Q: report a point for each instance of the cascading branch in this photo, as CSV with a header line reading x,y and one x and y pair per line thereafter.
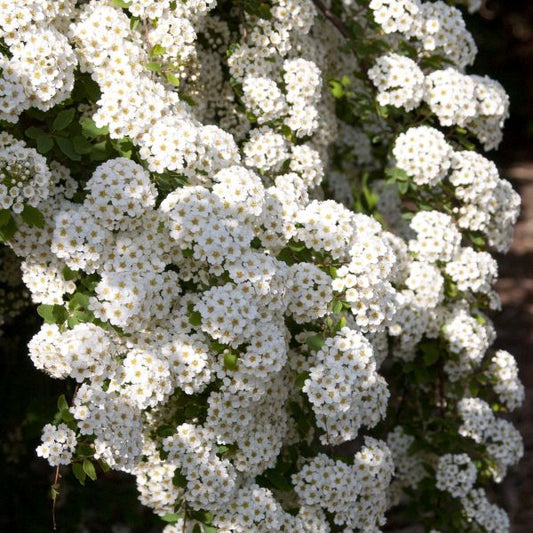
x,y
257,231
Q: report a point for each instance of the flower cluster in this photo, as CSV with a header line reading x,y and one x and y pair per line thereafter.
x,y
342,379
456,474
503,369
399,81
58,444
503,440
25,176
424,154
353,493
38,70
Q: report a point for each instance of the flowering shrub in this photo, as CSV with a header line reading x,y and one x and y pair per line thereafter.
x,y
257,231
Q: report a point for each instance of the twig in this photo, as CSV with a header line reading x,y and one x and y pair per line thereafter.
x,y
56,479
336,21
244,29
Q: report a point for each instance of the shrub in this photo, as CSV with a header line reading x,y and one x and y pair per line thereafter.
x,y
258,231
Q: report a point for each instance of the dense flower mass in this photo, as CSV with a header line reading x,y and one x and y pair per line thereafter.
x,y
254,239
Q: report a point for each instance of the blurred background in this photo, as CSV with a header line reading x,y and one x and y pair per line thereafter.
x,y
504,32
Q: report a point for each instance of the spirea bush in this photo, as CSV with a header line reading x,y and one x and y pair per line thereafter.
x,y
255,232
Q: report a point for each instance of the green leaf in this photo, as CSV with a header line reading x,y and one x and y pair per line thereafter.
x,y
403,187
383,111
188,99
222,449
121,3
300,379
123,146
52,314
337,89
32,216
79,317
297,246
171,518
80,300
431,353
101,151
168,182
90,282
477,240
157,50
63,119
79,473
205,517
450,288
5,217
277,480
84,449
465,143
172,79
82,145
179,480
33,112
62,403
259,9
165,431
103,465
336,306
134,23
45,144
315,342
34,133
227,450
90,88
69,274
263,11
67,417
230,361
7,229
217,347
89,469
232,48
195,318
197,528
192,411
154,66
396,174
480,319
66,146
90,130
370,197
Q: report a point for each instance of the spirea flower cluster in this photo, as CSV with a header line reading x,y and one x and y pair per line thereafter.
x,y
253,239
